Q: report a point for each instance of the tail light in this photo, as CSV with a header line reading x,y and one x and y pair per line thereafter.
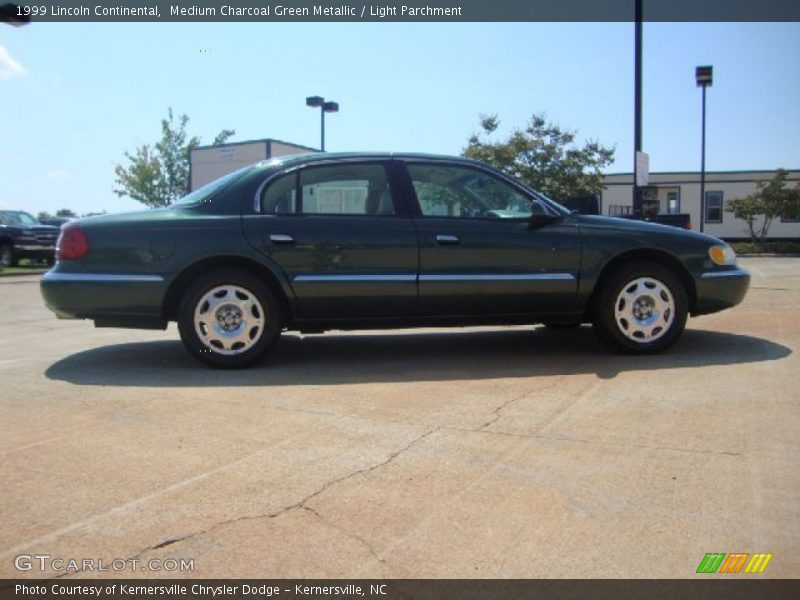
x,y
72,243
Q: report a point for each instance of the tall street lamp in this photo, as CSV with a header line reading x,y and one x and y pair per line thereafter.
x,y
319,101
637,109
703,76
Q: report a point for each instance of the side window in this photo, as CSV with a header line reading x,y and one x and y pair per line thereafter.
x,y
280,196
346,190
447,191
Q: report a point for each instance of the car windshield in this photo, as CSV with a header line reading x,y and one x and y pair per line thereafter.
x,y
17,218
552,202
205,193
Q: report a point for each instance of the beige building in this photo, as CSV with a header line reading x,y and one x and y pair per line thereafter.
x,y
207,163
680,193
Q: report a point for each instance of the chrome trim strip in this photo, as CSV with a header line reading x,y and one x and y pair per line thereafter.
x,y
100,277
500,277
352,278
723,274
443,277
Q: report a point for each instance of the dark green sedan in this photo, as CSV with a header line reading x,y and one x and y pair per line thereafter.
x,y
348,241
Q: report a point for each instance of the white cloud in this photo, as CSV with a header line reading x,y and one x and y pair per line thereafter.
x,y
58,176
9,67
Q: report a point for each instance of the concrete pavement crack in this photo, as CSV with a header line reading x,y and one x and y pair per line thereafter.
x,y
347,532
301,504
496,413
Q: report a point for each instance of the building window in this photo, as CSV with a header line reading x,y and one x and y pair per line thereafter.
x,y
673,202
619,209
791,218
713,207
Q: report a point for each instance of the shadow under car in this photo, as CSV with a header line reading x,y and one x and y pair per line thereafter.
x,y
334,359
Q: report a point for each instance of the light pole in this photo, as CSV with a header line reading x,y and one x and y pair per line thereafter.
x,y
637,107
703,76
319,101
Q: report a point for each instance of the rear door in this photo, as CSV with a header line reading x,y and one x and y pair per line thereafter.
x,y
338,232
479,254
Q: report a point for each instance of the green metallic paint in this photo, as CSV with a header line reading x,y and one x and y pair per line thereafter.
x,y
178,243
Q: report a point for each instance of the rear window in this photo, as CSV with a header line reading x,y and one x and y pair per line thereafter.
x,y
206,192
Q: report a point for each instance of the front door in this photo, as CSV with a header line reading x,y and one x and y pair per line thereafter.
x,y
480,254
337,233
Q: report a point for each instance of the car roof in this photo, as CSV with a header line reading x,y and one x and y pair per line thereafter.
x,y
309,157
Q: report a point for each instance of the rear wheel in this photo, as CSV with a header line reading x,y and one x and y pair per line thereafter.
x,y
642,308
229,319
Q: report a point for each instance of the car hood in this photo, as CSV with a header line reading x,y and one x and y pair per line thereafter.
x,y
627,226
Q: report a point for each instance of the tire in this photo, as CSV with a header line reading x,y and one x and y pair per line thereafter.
x,y
641,309
229,319
7,255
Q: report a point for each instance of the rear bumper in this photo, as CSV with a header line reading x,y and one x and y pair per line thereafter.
x,y
720,289
133,300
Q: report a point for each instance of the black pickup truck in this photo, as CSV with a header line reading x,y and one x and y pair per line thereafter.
x,y
22,236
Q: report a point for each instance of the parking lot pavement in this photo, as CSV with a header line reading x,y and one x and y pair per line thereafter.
x,y
480,452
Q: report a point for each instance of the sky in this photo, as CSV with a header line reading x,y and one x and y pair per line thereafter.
x,y
76,96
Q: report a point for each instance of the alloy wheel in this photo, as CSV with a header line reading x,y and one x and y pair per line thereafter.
x,y
229,319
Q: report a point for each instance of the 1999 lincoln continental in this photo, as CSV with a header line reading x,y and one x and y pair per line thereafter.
x,y
346,241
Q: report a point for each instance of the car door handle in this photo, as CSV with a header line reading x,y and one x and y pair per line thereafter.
x,y
447,240
279,238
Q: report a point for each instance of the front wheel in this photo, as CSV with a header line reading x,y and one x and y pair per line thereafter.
x,y
6,255
642,308
229,319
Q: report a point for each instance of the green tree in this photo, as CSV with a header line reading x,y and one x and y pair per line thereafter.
x,y
544,156
66,212
158,174
772,199
43,215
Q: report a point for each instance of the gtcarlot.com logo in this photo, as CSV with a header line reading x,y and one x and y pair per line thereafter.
x,y
46,562
719,562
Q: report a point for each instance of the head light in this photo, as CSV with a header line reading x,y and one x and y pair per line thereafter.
x,y
722,255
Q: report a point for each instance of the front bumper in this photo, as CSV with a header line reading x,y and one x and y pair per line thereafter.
x,y
33,247
131,300
720,289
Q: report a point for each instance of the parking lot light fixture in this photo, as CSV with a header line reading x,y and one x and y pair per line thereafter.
x,y
319,101
704,77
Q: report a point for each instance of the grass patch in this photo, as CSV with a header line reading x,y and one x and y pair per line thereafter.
x,y
766,247
26,266
24,270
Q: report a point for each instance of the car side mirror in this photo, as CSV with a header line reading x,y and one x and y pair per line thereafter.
x,y
543,219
